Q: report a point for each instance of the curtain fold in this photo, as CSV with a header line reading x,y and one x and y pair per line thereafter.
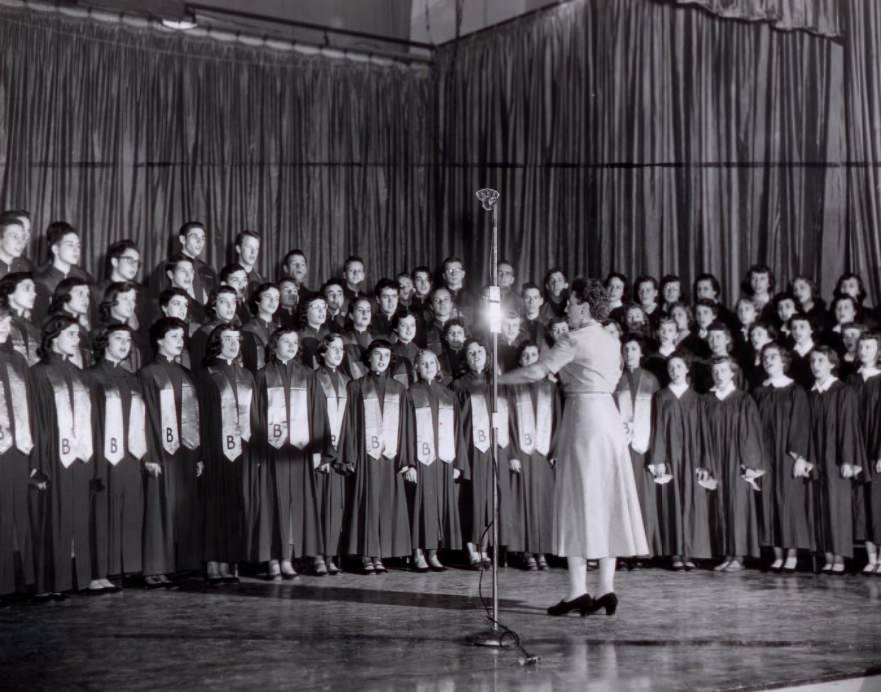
x,y
129,133
645,137
822,17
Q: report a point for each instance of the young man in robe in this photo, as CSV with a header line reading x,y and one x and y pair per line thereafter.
x,y
359,337
386,294
12,245
264,303
65,251
247,250
335,298
533,302
353,278
191,237
222,307
453,277
314,331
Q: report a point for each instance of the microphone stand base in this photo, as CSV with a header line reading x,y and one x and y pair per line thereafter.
x,y
490,638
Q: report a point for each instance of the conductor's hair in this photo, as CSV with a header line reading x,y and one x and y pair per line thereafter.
x,y
593,293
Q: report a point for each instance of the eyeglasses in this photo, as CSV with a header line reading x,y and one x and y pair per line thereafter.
x,y
131,260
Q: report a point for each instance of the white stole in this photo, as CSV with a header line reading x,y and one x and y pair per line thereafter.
x,y
480,423
380,425
426,449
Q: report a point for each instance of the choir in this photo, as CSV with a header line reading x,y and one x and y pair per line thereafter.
x,y
211,419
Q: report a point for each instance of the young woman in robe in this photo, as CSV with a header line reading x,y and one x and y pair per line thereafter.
x,y
256,331
295,436
19,292
64,457
533,413
358,337
802,330
750,361
315,329
634,395
787,490
73,298
404,348
867,495
655,362
173,518
375,439
734,431
118,307
435,457
222,308
16,443
678,459
473,392
226,395
839,455
332,481
119,452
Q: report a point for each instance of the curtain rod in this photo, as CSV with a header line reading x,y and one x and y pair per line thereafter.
x,y
510,20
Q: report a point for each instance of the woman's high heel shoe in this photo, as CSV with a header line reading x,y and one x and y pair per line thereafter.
x,y
582,604
608,601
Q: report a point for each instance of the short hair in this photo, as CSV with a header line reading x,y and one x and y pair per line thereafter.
x,y
310,298
449,324
214,346
188,226
229,270
102,337
61,296
350,259
769,328
529,286
785,295
117,250
162,326
401,315
326,341
111,293
714,282
421,269
331,282
385,283
215,294
402,275
10,282
176,259
615,275
645,278
717,326
593,293
360,299
857,308
169,293
670,279
683,355
20,213
830,354
802,317
871,336
450,260
257,294
635,338
51,329
707,303
785,353
761,269
56,230
272,346
374,345
550,272
731,360
296,252
7,220
241,235
522,347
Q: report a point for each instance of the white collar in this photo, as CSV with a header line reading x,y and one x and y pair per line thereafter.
x,y
778,382
869,372
722,394
803,350
678,389
824,386
666,351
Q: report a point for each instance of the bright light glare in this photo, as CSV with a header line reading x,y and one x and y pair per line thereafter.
x,y
494,309
179,24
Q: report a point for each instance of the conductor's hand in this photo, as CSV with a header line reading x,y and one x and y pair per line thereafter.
x,y
153,468
515,465
410,474
200,468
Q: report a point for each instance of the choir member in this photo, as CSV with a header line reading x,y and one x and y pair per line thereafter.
x,y
452,355
707,287
375,439
636,322
358,337
705,313
353,278
555,283
181,274
759,286
510,299
16,442
247,249
296,268
72,298
746,317
634,394
645,289
845,310
473,391
24,218
533,323
172,507
656,362
64,459
192,238
422,290
866,381
558,327
404,348
802,330
719,345
441,311
851,284
332,480
671,292
837,450
19,291
785,306
453,276
681,315
850,336
786,487
65,251
236,277
12,245
226,412
263,302
808,299
123,265
222,308
534,412
616,289
435,460
314,330
174,302
119,451
679,459
119,307
734,431
294,425
405,289
335,298
760,334
288,314
386,293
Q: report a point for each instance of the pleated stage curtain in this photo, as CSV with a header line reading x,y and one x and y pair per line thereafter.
x,y
822,17
129,133
647,137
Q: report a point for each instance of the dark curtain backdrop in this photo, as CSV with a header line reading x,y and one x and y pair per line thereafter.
x,y
128,133
823,17
647,137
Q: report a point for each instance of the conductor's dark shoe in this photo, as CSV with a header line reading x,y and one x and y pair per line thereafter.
x,y
607,601
583,604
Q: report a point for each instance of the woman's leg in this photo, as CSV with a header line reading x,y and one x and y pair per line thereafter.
x,y
607,576
577,577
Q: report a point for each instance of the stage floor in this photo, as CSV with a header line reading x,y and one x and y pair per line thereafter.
x,y
406,631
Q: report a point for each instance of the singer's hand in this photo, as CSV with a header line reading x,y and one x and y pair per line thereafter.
x,y
316,460
410,474
515,465
153,468
457,474
878,466
846,471
200,468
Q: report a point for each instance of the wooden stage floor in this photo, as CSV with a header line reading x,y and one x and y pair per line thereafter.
x,y
406,631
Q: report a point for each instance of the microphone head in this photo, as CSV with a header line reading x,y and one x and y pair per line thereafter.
x,y
488,197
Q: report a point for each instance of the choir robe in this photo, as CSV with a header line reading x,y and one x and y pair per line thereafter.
x,y
199,343
255,339
452,363
64,514
289,472
204,280
656,364
18,264
787,502
734,431
378,522
119,510
25,337
47,279
310,342
381,325
289,318
404,362
800,369
835,439
173,518
687,512
17,431
867,491
535,331
355,343
227,481
532,490
434,511
634,396
754,374
333,487
476,502
550,310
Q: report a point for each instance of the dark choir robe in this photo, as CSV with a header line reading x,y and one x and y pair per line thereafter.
x,y
204,280
687,514
867,490
437,449
695,344
533,411
310,342
331,485
535,330
452,363
199,343
381,325
173,518
847,368
119,454
634,395
18,264
787,502
378,524
433,335
355,343
255,278
466,302
64,457
656,364
835,439
421,307
255,339
47,279
474,390
550,310
293,428
734,431
16,443
140,350
404,362
800,368
754,374
226,393
289,318
337,323
25,337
